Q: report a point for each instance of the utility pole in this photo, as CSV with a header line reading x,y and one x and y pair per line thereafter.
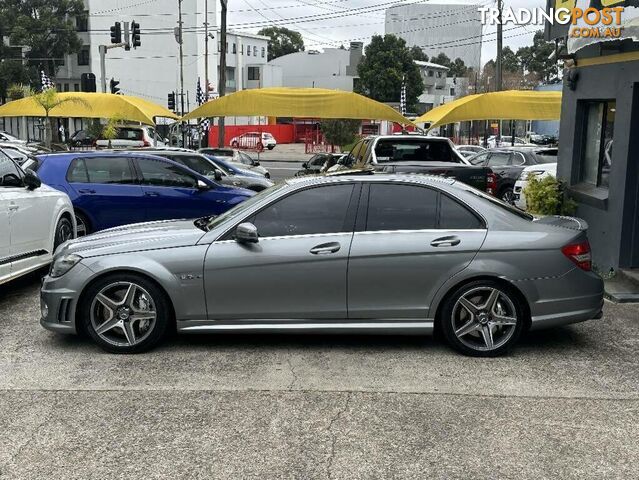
x,y
498,64
222,75
206,49
181,69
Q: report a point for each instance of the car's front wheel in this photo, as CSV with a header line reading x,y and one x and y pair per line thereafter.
x,y
125,313
63,232
482,319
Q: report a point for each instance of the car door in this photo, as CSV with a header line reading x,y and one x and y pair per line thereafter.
x,y
409,240
171,192
5,237
107,190
297,270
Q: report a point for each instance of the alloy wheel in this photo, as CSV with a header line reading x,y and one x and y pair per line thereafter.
x,y
508,196
123,314
81,226
484,319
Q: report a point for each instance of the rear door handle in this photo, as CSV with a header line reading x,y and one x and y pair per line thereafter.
x,y
13,208
152,194
86,190
452,241
326,248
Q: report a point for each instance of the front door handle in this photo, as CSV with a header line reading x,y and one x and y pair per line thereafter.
x,y
13,208
451,241
326,248
86,190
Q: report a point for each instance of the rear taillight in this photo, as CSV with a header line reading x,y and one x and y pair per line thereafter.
x,y
146,143
579,254
491,183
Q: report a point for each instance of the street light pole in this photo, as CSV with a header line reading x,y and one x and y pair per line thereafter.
x,y
181,69
206,49
498,63
222,74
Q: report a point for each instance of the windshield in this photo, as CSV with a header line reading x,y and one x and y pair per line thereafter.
x,y
239,209
546,156
414,149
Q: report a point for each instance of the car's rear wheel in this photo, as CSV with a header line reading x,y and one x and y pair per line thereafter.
x,y
271,147
482,319
63,232
235,145
125,313
507,195
83,226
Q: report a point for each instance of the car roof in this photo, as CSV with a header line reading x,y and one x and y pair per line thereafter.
x,y
369,176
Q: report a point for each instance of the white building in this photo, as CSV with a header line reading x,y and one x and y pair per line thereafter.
x,y
153,70
454,29
439,88
334,68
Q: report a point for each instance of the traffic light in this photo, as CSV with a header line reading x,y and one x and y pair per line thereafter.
x,y
87,82
171,101
116,33
114,86
135,34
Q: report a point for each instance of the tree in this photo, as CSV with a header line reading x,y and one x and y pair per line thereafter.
x,y
47,30
48,100
510,60
418,54
282,41
386,61
457,68
340,131
535,59
441,59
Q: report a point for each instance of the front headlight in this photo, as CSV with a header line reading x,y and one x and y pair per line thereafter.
x,y
63,264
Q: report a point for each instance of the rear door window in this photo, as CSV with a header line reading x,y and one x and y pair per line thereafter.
x,y
102,170
401,207
162,174
499,159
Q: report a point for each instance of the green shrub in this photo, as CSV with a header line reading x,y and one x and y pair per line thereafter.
x,y
548,197
340,132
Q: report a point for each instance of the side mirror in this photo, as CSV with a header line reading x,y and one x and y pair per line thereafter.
x,y
202,185
256,163
246,233
31,179
218,175
305,165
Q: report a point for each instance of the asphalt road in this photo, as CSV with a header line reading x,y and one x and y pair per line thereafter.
x,y
564,405
280,170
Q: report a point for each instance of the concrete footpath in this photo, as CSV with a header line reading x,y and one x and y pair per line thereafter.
x,y
293,152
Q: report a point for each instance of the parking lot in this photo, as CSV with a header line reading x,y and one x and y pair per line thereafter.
x,y
565,404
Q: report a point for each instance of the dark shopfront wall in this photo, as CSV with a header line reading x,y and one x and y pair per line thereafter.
x,y
612,213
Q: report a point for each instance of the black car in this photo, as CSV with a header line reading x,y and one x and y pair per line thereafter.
x,y
316,163
82,138
508,163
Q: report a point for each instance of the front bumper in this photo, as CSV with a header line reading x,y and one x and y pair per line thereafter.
x,y
59,299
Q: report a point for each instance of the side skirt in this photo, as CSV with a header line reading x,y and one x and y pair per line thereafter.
x,y
382,327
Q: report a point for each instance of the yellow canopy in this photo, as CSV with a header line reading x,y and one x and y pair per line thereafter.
x,y
508,105
298,102
94,105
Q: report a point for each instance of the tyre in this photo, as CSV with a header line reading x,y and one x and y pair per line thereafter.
x,y
507,195
83,225
63,232
125,313
235,145
482,319
271,147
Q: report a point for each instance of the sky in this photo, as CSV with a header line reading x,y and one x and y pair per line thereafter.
x,y
329,23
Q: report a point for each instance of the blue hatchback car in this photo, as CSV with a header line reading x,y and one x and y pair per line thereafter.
x,y
109,189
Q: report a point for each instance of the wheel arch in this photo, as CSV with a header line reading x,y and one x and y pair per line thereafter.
x,y
502,281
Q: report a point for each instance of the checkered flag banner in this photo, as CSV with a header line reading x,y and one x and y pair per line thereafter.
x,y
46,81
200,98
402,97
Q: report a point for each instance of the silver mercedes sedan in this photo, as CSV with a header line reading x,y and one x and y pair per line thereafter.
x,y
353,254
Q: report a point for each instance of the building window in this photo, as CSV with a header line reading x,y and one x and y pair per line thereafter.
x,y
253,73
254,51
83,56
431,73
263,52
76,87
596,159
439,74
242,49
82,22
234,48
219,46
248,50
452,92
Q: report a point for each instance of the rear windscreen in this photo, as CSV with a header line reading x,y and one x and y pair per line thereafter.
x,y
414,150
129,134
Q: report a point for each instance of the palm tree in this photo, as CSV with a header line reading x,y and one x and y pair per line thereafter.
x,y
49,99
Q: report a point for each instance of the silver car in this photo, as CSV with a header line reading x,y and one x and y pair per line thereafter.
x,y
378,253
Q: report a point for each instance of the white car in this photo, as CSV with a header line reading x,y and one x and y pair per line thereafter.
x,y
505,141
34,220
256,140
539,171
133,136
7,137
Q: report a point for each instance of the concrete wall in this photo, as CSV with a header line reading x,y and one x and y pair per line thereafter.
x,y
611,213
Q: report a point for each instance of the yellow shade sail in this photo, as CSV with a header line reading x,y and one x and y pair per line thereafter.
x,y
508,105
298,102
92,105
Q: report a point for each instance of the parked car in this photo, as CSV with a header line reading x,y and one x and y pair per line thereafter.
x,y
469,150
537,139
508,163
34,220
132,136
381,253
215,169
20,153
505,141
539,172
256,140
319,163
235,156
7,137
109,189
415,154
82,138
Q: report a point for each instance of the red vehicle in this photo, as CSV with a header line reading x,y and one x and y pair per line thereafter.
x,y
254,140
